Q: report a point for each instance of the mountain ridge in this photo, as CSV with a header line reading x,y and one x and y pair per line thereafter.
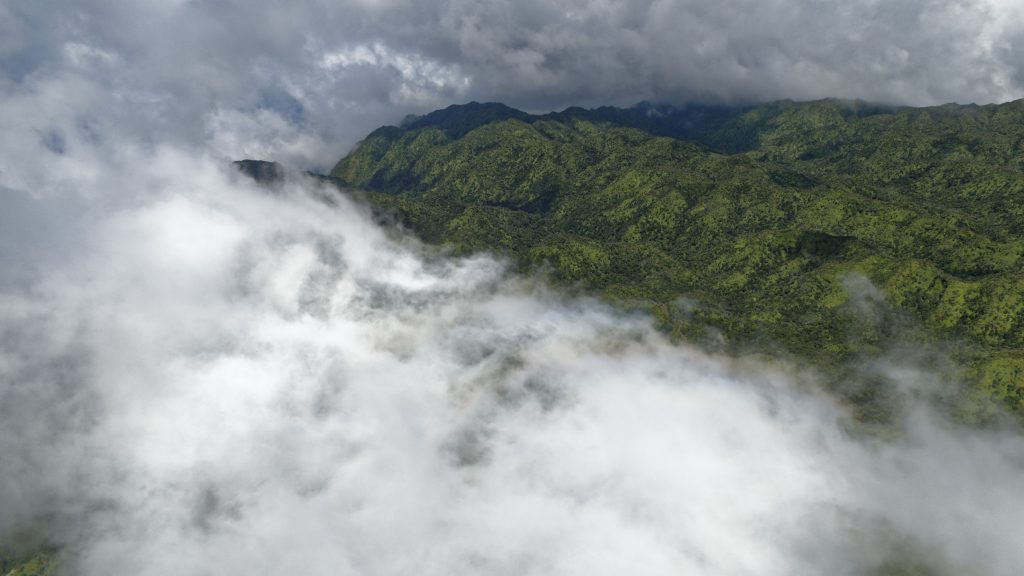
x,y
690,121
761,214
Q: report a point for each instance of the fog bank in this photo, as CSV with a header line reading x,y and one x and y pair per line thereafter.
x,y
212,378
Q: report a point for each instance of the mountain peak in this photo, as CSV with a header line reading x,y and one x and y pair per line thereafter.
x,y
458,119
262,171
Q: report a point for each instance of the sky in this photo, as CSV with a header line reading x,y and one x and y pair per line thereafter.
x,y
199,375
303,80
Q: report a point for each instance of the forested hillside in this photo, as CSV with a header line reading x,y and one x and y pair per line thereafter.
x,y
37,564
829,230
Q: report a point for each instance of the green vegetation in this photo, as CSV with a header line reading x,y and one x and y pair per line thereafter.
x,y
39,564
758,224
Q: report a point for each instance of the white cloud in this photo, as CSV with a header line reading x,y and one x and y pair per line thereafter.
x,y
225,380
200,376
423,82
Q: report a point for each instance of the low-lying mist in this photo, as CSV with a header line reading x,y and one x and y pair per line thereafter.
x,y
207,377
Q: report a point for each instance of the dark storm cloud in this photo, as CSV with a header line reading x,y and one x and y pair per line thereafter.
x,y
303,79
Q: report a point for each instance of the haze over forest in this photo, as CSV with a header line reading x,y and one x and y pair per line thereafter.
x,y
436,359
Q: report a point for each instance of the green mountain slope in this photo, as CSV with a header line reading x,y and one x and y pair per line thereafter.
x,y
40,564
772,225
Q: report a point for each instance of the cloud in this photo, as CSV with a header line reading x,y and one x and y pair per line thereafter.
x,y
201,376
333,71
222,379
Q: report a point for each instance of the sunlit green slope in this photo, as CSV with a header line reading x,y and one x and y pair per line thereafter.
x,y
749,226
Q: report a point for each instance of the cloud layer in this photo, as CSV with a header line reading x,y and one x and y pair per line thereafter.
x,y
302,81
224,380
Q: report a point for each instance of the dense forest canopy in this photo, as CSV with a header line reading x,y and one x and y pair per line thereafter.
x,y
824,229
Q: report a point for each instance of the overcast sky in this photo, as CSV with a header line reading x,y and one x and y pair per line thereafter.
x,y
303,80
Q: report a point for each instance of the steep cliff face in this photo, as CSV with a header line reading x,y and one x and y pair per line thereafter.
x,y
826,229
